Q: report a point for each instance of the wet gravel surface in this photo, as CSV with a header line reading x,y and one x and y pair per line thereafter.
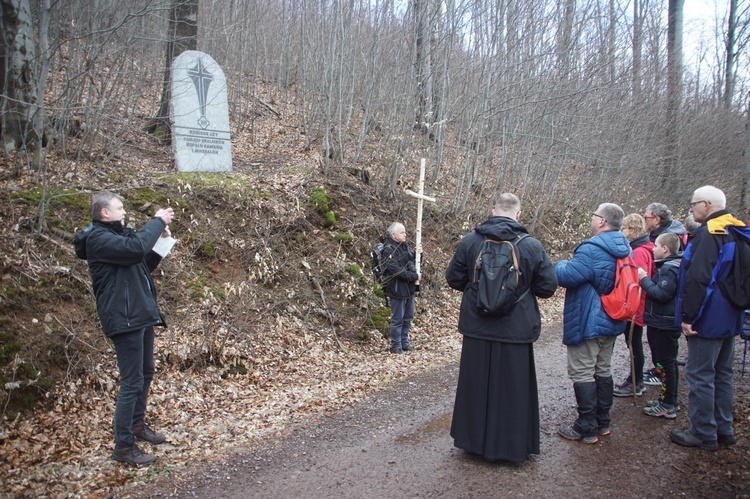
x,y
396,444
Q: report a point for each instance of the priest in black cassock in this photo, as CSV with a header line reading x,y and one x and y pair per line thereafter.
x,y
496,414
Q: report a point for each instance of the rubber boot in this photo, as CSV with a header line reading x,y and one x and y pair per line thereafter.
x,y
585,428
586,423
604,398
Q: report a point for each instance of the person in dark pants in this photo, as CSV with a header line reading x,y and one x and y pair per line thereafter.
x,y
660,294
401,278
634,228
710,323
496,413
120,262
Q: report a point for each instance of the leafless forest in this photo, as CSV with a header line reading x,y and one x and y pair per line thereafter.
x,y
561,101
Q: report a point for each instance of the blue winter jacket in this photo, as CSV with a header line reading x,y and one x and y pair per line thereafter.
x,y
699,301
589,274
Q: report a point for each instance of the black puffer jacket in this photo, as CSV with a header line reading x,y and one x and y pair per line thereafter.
x,y
400,269
120,262
661,292
523,324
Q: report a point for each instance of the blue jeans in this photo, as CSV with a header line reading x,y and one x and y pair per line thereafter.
x,y
402,312
710,377
135,360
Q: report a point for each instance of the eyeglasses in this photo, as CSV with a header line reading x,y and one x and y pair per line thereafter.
x,y
598,215
692,205
647,217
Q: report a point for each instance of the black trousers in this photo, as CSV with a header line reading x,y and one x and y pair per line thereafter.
x,y
664,345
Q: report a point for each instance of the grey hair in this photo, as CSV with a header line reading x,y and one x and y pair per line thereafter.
x,y
101,200
613,214
393,227
713,195
690,223
660,210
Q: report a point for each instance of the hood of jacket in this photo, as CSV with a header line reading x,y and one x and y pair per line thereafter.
x,y
674,259
612,241
501,229
718,222
675,227
640,241
79,240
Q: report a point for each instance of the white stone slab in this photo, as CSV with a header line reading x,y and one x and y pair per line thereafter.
x,y
199,114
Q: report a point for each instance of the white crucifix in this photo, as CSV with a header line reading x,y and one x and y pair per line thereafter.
x,y
420,199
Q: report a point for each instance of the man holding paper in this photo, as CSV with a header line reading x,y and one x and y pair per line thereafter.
x,y
120,262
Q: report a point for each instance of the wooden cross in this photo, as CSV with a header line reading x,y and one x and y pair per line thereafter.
x,y
420,199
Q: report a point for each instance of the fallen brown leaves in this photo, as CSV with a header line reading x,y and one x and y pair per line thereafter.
x,y
65,451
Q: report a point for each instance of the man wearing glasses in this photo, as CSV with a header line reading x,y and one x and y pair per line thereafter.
x,y
709,323
588,332
659,220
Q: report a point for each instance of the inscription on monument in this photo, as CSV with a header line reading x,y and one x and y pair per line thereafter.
x,y
200,118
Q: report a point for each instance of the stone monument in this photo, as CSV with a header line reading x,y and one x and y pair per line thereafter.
x,y
199,114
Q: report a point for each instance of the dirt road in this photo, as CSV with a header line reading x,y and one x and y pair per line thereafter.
x,y
396,444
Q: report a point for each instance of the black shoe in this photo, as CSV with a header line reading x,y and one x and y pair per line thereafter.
x,y
132,455
144,433
407,348
686,438
727,440
398,351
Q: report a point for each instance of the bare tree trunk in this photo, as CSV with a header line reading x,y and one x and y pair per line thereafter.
x,y
565,39
40,117
423,26
745,192
731,62
19,96
637,47
183,35
674,89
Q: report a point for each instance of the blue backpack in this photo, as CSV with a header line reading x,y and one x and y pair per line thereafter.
x,y
733,276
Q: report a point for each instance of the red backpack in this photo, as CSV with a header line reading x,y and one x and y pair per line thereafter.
x,y
622,303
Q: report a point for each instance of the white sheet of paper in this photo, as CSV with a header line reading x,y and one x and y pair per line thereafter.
x,y
164,245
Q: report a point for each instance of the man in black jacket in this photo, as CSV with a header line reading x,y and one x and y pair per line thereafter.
x,y
401,281
496,414
120,263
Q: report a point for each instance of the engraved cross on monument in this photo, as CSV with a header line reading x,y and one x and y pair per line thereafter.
x,y
199,114
201,79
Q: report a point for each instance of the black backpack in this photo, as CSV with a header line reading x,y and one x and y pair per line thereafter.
x,y
497,272
379,266
734,278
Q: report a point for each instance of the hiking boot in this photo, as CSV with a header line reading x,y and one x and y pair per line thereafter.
x,y
132,455
407,348
661,411
570,433
652,403
687,439
604,431
144,433
650,377
727,440
626,390
398,351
